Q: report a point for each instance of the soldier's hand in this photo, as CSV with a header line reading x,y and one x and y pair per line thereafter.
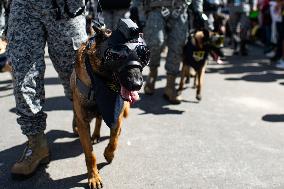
x,y
200,20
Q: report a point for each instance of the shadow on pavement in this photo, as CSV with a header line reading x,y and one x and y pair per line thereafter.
x,y
155,104
6,82
273,117
6,85
41,179
253,68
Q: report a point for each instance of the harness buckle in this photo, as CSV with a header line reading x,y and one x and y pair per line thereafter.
x,y
176,12
165,12
91,95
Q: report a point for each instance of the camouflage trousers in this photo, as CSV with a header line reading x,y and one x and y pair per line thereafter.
x,y
30,28
239,22
171,32
111,17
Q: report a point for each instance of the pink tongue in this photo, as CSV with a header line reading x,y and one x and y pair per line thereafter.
x,y
131,96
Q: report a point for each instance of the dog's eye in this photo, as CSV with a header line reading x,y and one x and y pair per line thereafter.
x,y
116,54
143,54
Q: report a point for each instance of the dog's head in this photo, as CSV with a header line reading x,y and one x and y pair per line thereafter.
x,y
200,38
125,54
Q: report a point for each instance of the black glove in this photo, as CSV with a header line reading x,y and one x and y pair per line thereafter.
x,y
200,20
134,16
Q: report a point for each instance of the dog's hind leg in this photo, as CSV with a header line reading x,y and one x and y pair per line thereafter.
x,y
200,80
195,83
94,179
183,76
96,134
114,134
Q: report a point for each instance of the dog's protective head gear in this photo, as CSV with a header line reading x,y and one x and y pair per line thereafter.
x,y
126,48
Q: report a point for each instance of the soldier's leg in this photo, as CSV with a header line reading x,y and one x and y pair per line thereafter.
x,y
176,40
64,38
244,28
154,33
233,23
26,38
108,19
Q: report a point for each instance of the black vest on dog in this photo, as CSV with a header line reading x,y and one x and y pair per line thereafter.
x,y
195,57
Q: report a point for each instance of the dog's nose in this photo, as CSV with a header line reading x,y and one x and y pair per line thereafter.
x,y
137,83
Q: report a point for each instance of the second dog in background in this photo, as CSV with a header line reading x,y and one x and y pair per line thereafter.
x,y
195,55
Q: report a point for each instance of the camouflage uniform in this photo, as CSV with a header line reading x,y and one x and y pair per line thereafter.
x,y
170,30
239,22
3,7
32,24
113,10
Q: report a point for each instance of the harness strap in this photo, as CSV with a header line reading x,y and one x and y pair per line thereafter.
x,y
85,90
89,70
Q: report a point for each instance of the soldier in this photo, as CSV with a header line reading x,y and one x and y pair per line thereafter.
x,y
32,24
240,24
113,10
167,21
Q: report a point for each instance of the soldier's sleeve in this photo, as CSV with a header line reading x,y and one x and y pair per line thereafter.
x,y
198,6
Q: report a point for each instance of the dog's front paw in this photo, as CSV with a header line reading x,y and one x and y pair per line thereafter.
x,y
95,139
109,155
95,182
198,97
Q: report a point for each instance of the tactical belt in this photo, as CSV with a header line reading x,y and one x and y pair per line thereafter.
x,y
157,4
66,10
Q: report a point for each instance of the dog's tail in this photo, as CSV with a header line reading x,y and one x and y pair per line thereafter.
x,y
126,109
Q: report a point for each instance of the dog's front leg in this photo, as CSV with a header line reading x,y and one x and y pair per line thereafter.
x,y
114,134
94,179
200,80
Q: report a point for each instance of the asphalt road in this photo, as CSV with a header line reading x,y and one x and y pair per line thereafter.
x,y
232,139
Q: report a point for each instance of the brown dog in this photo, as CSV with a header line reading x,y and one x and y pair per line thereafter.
x,y
4,62
106,71
195,56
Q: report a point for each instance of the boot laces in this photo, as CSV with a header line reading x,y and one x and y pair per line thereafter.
x,y
27,152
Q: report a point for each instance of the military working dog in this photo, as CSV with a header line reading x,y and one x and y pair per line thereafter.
x,y
195,55
106,78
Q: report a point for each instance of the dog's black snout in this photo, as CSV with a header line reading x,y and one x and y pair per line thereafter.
x,y
137,83
131,78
